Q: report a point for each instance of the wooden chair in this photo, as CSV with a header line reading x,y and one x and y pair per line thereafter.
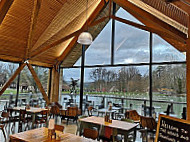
x,y
90,110
23,119
148,125
168,110
72,113
90,133
2,128
59,128
54,111
132,114
42,119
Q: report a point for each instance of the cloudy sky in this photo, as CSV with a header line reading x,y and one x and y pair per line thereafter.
x,y
131,46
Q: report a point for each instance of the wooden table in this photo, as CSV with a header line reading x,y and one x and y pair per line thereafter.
x,y
105,110
121,126
33,111
41,135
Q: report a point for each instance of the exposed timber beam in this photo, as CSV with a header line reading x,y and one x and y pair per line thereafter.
x,y
147,28
90,23
11,79
37,80
150,20
4,8
35,12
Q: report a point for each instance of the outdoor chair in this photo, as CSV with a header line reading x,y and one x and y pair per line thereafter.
x,y
59,128
148,125
90,133
2,129
90,110
24,119
184,113
13,118
4,119
168,110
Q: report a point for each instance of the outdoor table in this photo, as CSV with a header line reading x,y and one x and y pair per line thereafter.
x,y
106,110
33,111
120,126
41,135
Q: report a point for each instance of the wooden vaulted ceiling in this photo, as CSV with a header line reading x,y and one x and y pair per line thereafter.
x,y
45,31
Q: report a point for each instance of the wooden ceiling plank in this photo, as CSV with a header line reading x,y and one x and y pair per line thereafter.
x,y
147,28
76,33
38,83
4,8
11,79
90,21
34,18
149,19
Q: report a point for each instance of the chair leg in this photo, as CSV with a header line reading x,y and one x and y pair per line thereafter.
x,y
4,133
67,121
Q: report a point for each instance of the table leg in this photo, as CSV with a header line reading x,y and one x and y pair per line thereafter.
x,y
33,119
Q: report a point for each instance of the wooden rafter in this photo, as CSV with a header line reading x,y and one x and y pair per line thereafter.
x,y
76,33
34,17
146,28
11,79
4,8
90,21
149,20
37,80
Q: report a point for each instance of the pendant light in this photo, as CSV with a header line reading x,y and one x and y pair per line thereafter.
x,y
85,38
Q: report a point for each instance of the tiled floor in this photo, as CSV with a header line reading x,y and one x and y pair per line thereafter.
x,y
71,128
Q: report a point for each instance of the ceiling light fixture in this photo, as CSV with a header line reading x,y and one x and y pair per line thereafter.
x,y
85,38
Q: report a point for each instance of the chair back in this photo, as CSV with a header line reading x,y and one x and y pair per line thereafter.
x,y
54,109
132,114
168,110
90,133
59,128
5,114
72,111
90,108
22,115
148,122
184,113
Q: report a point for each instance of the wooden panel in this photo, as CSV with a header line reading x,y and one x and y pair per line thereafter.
x,y
34,17
37,80
12,78
90,20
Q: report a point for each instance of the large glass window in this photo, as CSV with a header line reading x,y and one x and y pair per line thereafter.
x,y
131,44
164,52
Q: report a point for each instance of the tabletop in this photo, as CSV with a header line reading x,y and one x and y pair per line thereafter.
x,y
31,110
115,123
103,110
41,135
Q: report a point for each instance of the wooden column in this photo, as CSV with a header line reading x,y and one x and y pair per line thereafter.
x,y
188,73
60,84
188,82
54,95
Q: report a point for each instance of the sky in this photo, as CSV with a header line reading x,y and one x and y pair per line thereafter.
x,y
131,46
